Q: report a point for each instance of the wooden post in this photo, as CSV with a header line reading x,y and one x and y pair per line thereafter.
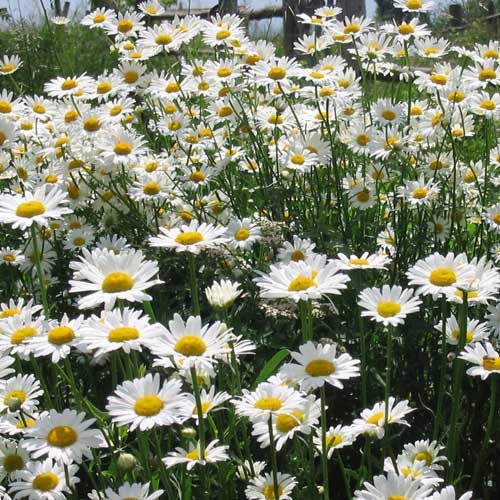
x,y
65,10
290,26
352,8
228,6
457,14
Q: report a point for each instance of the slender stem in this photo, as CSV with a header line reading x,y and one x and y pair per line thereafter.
x,y
458,370
148,309
344,474
199,409
442,375
489,429
194,285
324,451
305,309
362,338
387,389
274,461
39,272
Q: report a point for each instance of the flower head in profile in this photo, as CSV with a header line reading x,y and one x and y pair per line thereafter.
x,y
134,491
192,455
365,261
37,207
109,276
318,364
301,281
261,487
221,295
485,360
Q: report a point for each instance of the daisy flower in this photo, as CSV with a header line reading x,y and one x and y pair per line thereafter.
x,y
285,425
37,207
372,421
134,491
336,438
11,257
262,487
300,249
209,401
60,338
190,344
493,318
125,329
13,459
318,364
192,238
242,234
22,390
15,332
389,305
419,193
221,295
121,146
64,437
425,451
145,403
109,276
414,5
266,400
276,71
365,261
448,493
484,357
476,331
61,87
492,217
417,471
191,456
438,274
393,486
10,64
45,481
99,18
299,281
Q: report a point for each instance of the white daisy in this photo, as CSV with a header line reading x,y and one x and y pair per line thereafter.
x,y
365,261
191,457
221,295
64,437
134,491
109,276
475,332
13,459
336,438
22,390
318,364
262,487
484,357
143,403
242,234
389,305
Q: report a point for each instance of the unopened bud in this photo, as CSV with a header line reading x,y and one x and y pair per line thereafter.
x,y
127,462
14,404
188,432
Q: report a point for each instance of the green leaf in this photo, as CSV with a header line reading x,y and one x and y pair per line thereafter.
x,y
271,366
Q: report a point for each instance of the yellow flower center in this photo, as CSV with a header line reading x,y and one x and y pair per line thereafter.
x,y
301,283
12,463
389,115
491,54
333,440
124,25
99,18
275,119
92,124
253,58
414,4
29,423
363,196
424,456
189,238
30,209
149,405
7,68
5,107
123,333
419,193
9,258
439,79
351,28
190,345
487,74
496,219
468,336
362,139
297,255
359,262
151,188
225,111
268,492
406,29
388,308
431,50
46,481
204,407
456,96
488,105
69,84
131,76
61,335
222,34
223,72
319,368
242,234
491,364
193,454
62,436
285,422
270,404
297,159
21,395
39,108
443,276
197,176
375,418
79,241
317,75
396,497
163,39
70,116
103,87
122,148
7,313
277,73
117,282
23,333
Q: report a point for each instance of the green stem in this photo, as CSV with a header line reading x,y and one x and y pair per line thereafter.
x,y
148,309
305,310
39,272
199,409
387,390
344,475
194,285
489,429
442,375
274,461
324,451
